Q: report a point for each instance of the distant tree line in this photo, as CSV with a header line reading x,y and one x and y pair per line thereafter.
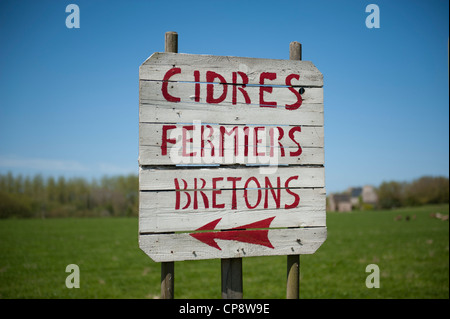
x,y
422,191
39,197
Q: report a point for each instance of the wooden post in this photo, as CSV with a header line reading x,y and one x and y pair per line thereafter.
x,y
295,51
293,271
167,280
171,43
168,268
232,278
293,261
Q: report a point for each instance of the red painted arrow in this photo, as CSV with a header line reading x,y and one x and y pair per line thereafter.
x,y
252,236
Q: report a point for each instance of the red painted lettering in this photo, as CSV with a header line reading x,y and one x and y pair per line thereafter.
x,y
297,104
296,196
178,194
166,140
258,186
190,140
272,141
257,141
241,89
268,89
202,143
276,197
197,85
205,198
233,198
210,76
237,85
291,135
276,194
246,134
165,84
216,192
224,131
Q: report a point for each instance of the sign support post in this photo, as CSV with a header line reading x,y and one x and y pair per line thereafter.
x,y
293,261
231,269
168,268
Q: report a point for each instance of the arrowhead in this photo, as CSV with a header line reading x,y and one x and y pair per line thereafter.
x,y
207,238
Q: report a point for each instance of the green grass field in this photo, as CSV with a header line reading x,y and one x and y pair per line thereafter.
x,y
413,257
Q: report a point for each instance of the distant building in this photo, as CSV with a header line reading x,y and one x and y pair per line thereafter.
x,y
369,195
339,203
354,197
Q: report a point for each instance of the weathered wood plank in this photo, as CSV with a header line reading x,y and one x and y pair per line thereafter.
x,y
159,211
228,95
229,144
153,179
174,247
156,66
307,114
308,215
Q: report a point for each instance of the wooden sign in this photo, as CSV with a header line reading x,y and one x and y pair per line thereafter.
x,y
231,154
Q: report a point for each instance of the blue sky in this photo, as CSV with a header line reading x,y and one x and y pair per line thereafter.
x,y
69,97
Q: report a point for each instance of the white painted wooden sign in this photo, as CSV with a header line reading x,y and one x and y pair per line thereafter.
x,y
231,154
